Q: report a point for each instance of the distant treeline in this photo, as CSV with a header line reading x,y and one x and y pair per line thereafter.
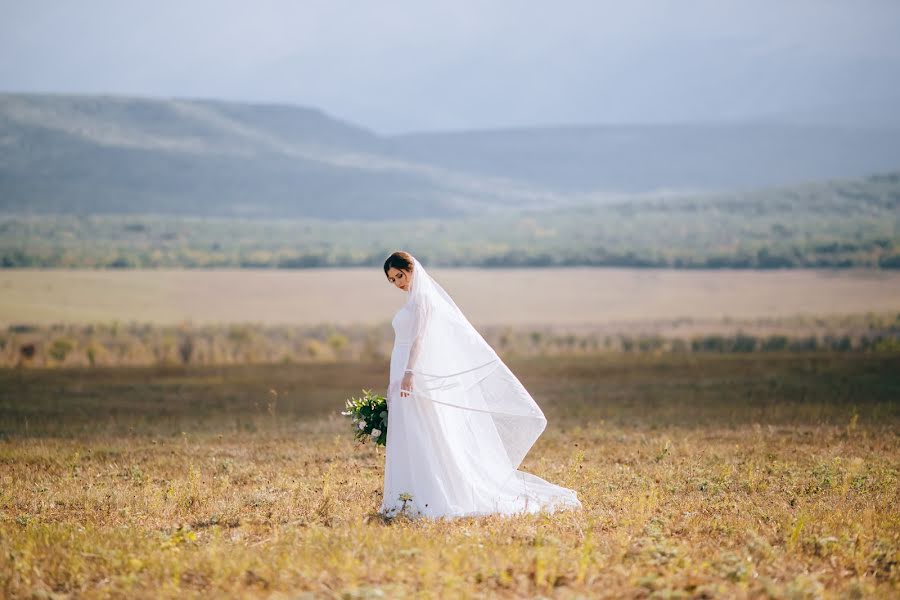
x,y
115,344
829,225
878,253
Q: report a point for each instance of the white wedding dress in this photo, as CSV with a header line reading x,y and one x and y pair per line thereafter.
x,y
451,460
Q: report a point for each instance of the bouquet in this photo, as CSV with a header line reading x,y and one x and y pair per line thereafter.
x,y
369,417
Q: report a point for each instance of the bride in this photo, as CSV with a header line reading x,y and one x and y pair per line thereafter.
x,y
459,421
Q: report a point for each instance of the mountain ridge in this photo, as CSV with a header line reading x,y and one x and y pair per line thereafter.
x,y
99,154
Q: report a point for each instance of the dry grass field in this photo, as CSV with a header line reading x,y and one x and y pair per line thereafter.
x,y
702,476
517,297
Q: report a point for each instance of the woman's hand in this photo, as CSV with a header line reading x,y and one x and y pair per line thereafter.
x,y
406,384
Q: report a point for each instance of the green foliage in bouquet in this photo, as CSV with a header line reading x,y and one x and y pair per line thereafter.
x,y
369,417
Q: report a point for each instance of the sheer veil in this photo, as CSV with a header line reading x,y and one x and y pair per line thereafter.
x,y
453,365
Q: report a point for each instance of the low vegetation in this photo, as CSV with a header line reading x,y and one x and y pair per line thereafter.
x,y
116,344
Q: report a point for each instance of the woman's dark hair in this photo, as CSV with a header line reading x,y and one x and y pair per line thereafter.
x,y
399,260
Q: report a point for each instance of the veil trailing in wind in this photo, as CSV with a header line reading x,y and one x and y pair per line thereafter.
x,y
452,365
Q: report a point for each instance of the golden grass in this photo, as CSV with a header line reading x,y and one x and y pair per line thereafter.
x,y
535,297
701,477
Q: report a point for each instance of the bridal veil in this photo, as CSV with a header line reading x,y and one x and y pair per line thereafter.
x,y
452,365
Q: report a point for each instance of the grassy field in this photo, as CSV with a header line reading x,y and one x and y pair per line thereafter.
x,y
516,297
702,476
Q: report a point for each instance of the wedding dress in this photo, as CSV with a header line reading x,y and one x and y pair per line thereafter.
x,y
454,444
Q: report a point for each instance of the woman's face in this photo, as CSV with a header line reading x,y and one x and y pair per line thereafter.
x,y
399,277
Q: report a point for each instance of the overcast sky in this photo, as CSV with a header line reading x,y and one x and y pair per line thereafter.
x,y
397,66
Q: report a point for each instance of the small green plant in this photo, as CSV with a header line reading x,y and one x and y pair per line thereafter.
x,y
369,416
60,348
406,508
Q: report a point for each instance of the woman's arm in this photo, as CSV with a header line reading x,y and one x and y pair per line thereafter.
x,y
421,315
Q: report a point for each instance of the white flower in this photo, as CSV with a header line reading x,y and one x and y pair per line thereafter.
x,y
362,424
376,433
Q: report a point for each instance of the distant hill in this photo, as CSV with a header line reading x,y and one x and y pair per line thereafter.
x,y
642,158
108,155
86,155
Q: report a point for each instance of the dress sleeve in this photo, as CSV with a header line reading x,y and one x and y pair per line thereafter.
x,y
421,314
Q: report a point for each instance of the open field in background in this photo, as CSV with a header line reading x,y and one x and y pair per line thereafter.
x,y
118,318
701,475
540,296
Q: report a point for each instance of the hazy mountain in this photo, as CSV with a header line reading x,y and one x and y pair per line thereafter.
x,y
83,154
109,154
639,158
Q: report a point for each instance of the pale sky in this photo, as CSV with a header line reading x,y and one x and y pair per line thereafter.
x,y
414,65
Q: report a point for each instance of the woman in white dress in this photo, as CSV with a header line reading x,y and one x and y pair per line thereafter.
x,y
459,421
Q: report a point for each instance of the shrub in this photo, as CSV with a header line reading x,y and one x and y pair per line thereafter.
x,y
804,344
775,343
679,345
60,348
744,343
186,348
649,344
889,261
95,352
840,344
709,343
